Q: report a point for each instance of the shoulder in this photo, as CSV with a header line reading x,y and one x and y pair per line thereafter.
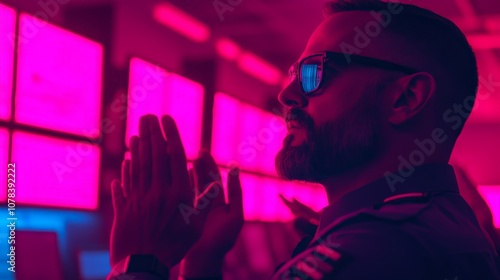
x,y
377,249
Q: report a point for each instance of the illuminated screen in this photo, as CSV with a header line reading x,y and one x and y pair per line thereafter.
x,y
65,174
245,135
94,265
491,195
58,79
45,220
4,143
154,91
7,31
261,201
37,255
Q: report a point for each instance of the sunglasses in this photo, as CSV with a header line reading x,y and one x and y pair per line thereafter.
x,y
310,69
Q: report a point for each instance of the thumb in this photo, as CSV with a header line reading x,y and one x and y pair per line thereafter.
x,y
212,196
117,196
204,203
235,193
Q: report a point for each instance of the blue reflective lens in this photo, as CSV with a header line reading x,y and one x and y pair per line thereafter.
x,y
309,76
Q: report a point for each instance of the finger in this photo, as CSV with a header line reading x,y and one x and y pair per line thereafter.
x,y
203,205
145,153
287,202
299,205
192,180
235,194
204,202
215,193
126,177
160,159
291,205
117,196
134,166
178,167
206,171
306,210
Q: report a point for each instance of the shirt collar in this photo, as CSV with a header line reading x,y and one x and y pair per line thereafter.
x,y
436,177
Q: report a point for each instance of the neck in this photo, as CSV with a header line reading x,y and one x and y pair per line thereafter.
x,y
339,185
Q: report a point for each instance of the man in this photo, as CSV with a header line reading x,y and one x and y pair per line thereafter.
x,y
377,100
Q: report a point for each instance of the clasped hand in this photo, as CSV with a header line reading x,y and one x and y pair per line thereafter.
x,y
154,188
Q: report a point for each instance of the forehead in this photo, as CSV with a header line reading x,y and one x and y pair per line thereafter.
x,y
357,32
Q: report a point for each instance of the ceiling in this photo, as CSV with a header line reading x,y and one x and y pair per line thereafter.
x,y
277,30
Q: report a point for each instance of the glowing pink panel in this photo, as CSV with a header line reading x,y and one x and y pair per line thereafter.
x,y
181,22
55,172
227,49
261,200
7,31
4,153
59,79
492,196
154,91
245,135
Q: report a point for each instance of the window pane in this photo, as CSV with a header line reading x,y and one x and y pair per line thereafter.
x,y
55,172
7,31
59,79
245,135
154,91
491,195
261,201
4,153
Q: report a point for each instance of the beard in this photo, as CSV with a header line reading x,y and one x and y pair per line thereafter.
x,y
334,147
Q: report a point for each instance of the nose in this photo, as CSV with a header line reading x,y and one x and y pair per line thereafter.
x,y
292,96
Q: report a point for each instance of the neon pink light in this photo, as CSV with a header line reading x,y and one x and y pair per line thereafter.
x,y
181,22
4,143
65,174
245,135
59,79
491,195
224,136
484,41
7,31
227,49
261,200
154,91
259,68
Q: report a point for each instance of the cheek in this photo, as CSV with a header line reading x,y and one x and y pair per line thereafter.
x,y
330,107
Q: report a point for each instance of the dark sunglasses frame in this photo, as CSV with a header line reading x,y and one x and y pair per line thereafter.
x,y
341,59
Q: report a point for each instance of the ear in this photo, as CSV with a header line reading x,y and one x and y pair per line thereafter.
x,y
413,94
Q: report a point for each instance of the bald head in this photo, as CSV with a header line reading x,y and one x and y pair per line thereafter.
x,y
406,35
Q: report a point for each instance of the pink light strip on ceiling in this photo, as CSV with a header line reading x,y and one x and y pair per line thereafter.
x,y
181,22
7,31
65,174
260,68
484,41
227,49
491,195
249,62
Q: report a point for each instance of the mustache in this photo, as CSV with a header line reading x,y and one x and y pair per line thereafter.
x,y
301,117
